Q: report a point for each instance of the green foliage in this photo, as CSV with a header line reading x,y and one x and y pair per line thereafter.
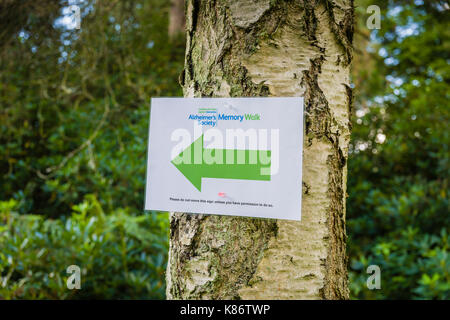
x,y
121,256
75,106
74,110
398,208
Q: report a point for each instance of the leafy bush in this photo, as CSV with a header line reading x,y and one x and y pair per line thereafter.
x,y
73,127
121,256
413,266
398,207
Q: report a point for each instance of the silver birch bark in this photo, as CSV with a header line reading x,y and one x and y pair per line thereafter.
x,y
271,48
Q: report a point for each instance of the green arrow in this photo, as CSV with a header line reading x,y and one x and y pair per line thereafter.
x,y
196,162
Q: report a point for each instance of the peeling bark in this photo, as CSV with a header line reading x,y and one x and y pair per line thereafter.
x,y
271,48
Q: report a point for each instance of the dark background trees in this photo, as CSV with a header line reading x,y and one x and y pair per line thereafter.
x,y
398,208
73,129
74,111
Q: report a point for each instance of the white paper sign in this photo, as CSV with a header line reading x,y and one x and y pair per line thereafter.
x,y
227,156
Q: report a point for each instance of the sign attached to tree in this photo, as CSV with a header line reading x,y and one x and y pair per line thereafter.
x,y
227,156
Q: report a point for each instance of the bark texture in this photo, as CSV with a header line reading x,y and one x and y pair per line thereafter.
x,y
272,48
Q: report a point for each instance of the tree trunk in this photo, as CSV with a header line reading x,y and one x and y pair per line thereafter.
x,y
272,48
176,18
